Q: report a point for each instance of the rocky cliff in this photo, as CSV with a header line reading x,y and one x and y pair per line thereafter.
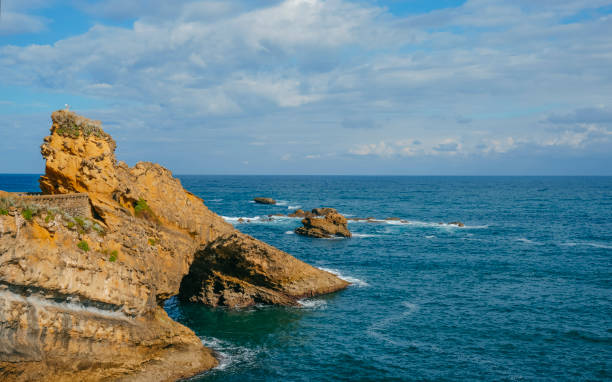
x,y
81,297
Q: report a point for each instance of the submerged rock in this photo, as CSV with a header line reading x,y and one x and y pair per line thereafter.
x,y
326,224
458,224
264,200
81,298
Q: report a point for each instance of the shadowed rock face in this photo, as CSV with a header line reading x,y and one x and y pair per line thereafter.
x,y
237,270
78,303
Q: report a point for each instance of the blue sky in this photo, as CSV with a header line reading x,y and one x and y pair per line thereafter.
x,y
414,87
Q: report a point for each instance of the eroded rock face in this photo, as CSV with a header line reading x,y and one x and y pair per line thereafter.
x,y
237,270
82,300
325,223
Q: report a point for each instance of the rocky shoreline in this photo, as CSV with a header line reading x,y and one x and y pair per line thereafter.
x,y
81,297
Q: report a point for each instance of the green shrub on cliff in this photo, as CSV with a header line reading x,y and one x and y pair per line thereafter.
x,y
152,242
50,216
3,211
113,256
27,213
142,210
83,245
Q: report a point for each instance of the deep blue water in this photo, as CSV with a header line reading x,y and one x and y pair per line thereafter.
x,y
523,292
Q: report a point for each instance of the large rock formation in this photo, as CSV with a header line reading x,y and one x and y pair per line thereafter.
x,y
81,298
237,270
324,223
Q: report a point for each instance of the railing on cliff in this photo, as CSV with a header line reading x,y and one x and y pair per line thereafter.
x,y
76,204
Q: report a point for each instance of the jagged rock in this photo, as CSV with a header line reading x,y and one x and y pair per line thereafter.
x,y
264,200
327,223
393,219
458,224
86,304
237,270
324,211
299,213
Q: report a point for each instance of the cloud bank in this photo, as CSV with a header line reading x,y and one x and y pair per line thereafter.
x,y
294,86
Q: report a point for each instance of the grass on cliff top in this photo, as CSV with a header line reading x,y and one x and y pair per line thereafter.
x,y
73,130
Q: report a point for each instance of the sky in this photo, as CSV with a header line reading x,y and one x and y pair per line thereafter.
x,y
390,87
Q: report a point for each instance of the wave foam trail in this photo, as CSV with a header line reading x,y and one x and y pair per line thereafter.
x,y
312,303
232,219
294,207
363,235
228,353
588,244
380,329
289,233
353,280
417,223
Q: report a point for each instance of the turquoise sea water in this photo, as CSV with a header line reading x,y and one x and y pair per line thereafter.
x,y
523,292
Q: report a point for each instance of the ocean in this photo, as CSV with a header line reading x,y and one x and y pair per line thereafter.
x,y
522,292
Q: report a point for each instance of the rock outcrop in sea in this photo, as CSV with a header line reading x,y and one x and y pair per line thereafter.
x,y
324,223
264,200
81,297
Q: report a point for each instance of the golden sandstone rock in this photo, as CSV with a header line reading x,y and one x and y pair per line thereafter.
x,y
81,298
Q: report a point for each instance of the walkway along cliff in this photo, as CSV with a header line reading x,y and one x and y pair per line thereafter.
x,y
82,289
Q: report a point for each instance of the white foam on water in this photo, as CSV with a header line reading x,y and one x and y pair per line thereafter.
x,y
289,233
417,223
282,203
528,241
380,329
232,219
312,303
228,353
430,237
294,207
363,235
588,244
353,280
214,200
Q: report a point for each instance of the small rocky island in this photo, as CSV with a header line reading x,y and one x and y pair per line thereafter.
x,y
86,267
322,223
260,200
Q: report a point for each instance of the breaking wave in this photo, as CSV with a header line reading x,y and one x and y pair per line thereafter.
x,y
353,280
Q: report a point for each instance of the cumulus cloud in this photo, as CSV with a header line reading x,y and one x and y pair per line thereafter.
x,y
334,76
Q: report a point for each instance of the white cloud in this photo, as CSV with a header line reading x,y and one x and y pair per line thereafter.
x,y
485,78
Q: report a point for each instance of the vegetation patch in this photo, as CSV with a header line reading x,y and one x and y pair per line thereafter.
x,y
142,210
113,256
3,211
74,129
83,245
27,213
152,241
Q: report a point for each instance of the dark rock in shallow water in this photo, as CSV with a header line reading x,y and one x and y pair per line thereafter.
x,y
324,226
458,224
264,200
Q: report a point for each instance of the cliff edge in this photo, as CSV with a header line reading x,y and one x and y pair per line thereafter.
x,y
81,297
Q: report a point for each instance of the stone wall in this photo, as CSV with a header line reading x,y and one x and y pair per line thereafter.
x,y
74,204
